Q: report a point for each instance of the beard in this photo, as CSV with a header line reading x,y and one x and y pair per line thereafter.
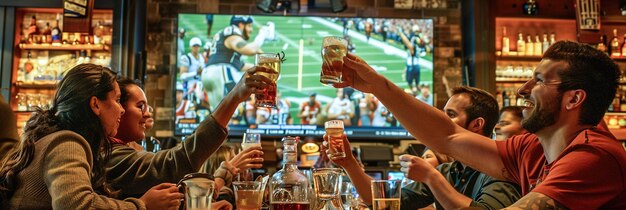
x,y
542,117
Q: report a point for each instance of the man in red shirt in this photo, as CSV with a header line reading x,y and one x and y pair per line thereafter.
x,y
565,161
309,110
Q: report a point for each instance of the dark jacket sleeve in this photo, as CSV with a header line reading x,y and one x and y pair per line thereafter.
x,y
134,172
496,194
415,195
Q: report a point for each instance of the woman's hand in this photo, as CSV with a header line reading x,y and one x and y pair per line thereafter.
x,y
221,205
252,157
162,196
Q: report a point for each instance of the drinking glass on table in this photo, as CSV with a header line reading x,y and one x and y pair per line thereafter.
x,y
270,61
334,48
249,195
386,194
347,193
326,183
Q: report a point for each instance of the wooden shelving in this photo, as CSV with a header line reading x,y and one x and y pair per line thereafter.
x,y
36,85
62,47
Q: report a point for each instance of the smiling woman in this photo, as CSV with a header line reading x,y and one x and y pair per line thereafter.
x,y
59,163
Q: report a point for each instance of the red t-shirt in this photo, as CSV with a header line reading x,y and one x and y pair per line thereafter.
x,y
589,174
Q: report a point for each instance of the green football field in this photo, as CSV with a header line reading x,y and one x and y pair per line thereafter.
x,y
300,38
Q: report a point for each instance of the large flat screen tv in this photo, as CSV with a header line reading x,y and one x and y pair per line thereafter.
x,y
391,46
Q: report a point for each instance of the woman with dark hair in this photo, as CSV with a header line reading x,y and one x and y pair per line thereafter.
x,y
59,163
131,171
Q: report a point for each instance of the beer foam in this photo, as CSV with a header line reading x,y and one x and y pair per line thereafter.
x,y
268,60
333,124
328,41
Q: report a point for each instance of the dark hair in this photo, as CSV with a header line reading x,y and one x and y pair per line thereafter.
x,y
70,111
482,104
515,110
124,82
588,69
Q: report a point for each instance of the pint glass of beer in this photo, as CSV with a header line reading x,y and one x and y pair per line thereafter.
x,y
269,61
334,132
334,48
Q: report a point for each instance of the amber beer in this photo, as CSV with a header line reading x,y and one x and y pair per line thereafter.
x,y
269,61
334,132
334,48
249,200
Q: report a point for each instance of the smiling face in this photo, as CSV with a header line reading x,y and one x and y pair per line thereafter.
x,y
542,99
133,124
110,111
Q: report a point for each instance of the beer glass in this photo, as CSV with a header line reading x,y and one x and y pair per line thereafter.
x,y
248,194
250,140
386,194
334,132
269,61
326,183
334,48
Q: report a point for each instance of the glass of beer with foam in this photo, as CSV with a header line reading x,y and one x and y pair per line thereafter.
x,y
271,62
334,48
334,132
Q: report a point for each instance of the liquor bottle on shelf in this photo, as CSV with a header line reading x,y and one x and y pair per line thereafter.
x,y
29,67
98,32
624,46
552,38
289,187
46,37
32,29
505,42
545,44
56,33
614,49
512,98
530,47
537,46
602,44
616,101
521,49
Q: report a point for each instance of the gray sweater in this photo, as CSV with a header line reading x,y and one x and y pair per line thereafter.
x,y
59,178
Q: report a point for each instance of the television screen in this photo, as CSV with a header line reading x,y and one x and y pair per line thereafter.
x,y
213,50
395,175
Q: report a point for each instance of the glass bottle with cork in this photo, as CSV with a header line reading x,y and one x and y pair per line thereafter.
x,y
289,187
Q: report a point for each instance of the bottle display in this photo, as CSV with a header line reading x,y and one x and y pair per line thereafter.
x,y
505,42
289,187
544,44
614,48
521,44
602,44
537,47
56,32
530,47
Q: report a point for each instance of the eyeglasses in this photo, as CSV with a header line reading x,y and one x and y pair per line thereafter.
x,y
145,108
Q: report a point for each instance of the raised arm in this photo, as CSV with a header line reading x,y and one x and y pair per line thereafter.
x,y
242,46
424,122
358,177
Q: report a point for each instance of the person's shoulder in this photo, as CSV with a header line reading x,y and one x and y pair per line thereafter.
x,y
600,140
62,135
